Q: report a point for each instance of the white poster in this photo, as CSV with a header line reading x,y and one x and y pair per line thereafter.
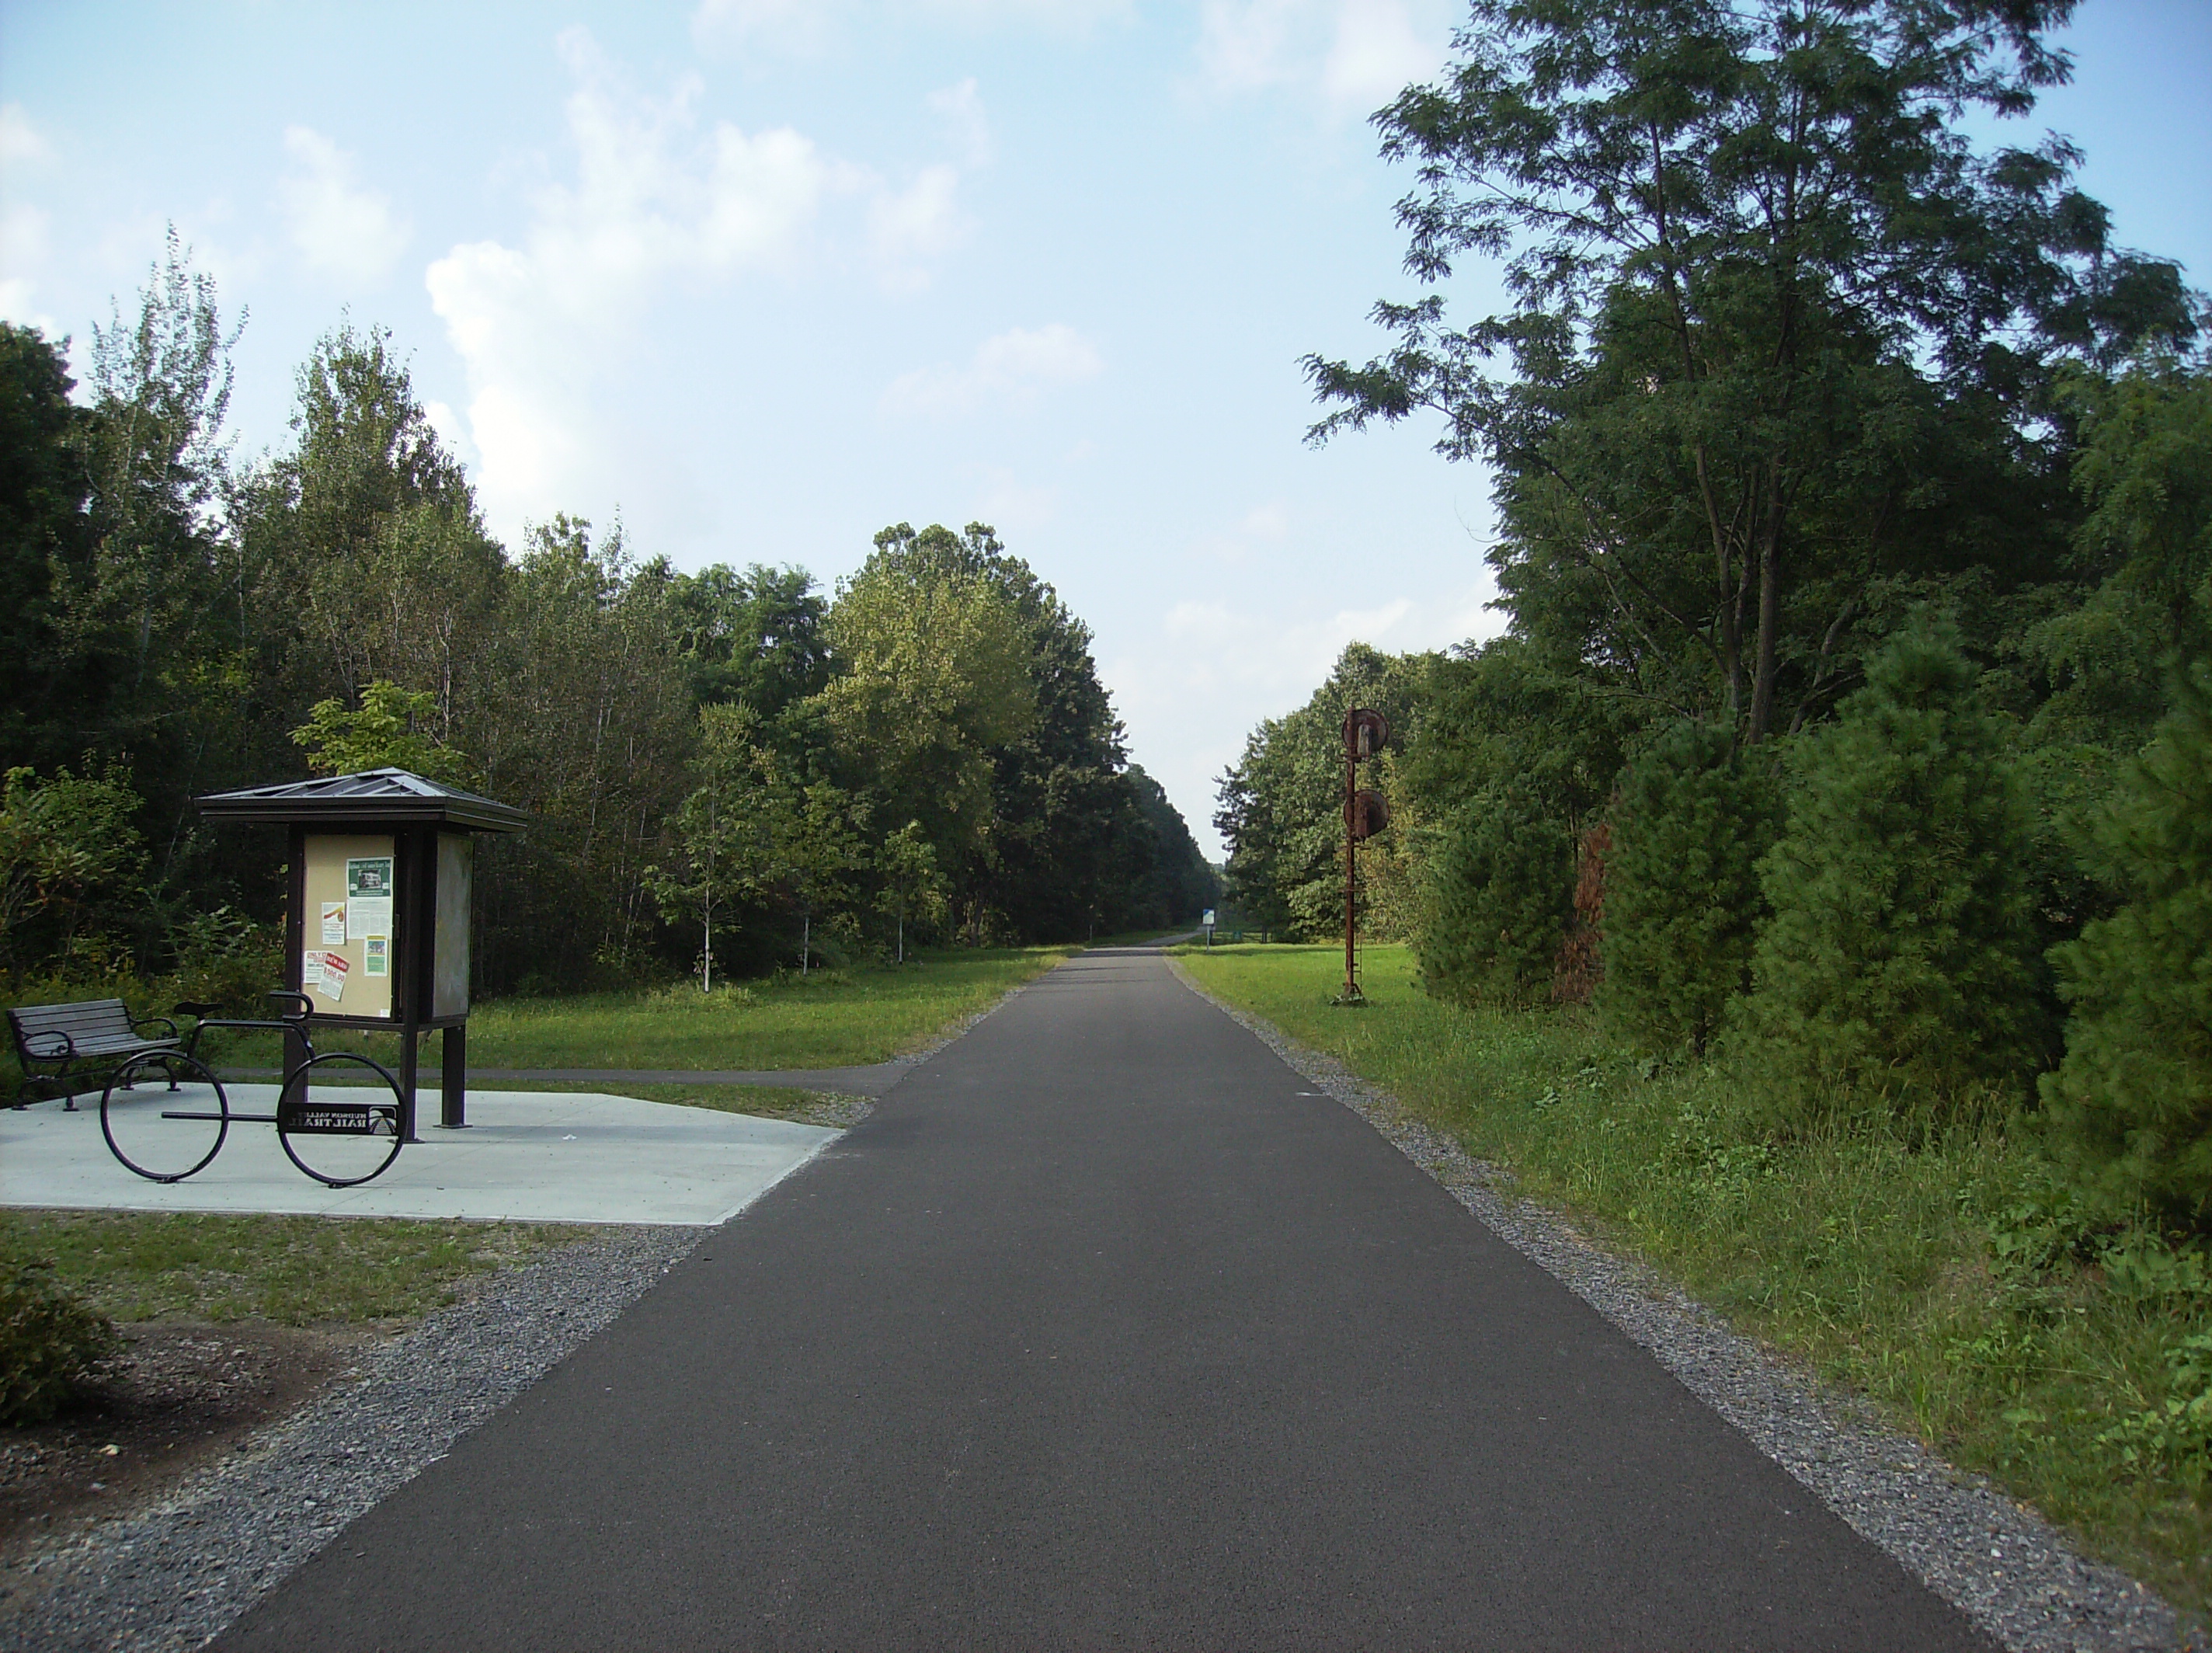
x,y
334,976
310,972
376,959
334,924
368,898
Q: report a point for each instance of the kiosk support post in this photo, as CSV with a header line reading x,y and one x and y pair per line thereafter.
x,y
453,1078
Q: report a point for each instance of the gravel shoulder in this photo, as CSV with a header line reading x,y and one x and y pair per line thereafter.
x,y
1998,1561
176,1574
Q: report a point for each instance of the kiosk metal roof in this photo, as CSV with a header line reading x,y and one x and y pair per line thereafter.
x,y
372,798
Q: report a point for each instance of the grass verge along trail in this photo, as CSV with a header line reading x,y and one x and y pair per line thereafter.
x,y
1904,1266
292,1271
827,1019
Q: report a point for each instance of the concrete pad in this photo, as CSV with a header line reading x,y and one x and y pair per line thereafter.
x,y
870,1081
530,1156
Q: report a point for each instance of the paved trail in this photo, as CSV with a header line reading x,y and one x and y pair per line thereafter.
x,y
1099,1333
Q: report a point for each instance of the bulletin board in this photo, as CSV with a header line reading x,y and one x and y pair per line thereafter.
x,y
346,947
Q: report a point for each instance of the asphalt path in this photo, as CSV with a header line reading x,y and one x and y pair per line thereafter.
x,y
1101,1332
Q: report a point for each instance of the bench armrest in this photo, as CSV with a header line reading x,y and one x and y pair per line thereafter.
x,y
140,1025
27,1043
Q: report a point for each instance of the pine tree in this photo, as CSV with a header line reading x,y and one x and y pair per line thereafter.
x,y
1901,960
2131,1105
1682,902
1499,895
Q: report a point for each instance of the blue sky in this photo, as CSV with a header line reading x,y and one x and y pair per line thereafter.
x,y
765,276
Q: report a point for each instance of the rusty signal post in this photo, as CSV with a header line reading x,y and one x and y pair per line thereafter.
x,y
1365,814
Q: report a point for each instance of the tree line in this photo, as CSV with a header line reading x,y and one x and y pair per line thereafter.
x,y
1853,717
726,769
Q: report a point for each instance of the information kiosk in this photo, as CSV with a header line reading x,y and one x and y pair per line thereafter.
x,y
376,931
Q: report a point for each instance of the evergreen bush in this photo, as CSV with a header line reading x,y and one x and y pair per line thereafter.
x,y
2131,1105
50,1343
1901,960
1500,888
1682,899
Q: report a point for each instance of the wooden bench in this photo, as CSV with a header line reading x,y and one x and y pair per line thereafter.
x,y
64,1040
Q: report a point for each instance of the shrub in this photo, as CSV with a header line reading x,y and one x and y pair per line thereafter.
x,y
1901,959
69,856
50,1343
1499,894
225,958
2131,1106
1683,903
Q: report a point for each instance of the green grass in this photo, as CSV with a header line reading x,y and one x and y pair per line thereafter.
x,y
1891,1261
829,1018
297,1271
1138,938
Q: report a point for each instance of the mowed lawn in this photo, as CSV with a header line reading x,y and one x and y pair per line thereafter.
x,y
831,1018
205,1267
1907,1263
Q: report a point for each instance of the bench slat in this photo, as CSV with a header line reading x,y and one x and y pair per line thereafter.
x,y
96,1027
96,1015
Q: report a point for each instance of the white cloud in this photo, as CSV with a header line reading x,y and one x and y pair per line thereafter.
x,y
921,222
452,432
1010,369
1262,528
23,234
340,229
797,27
24,246
1261,648
21,144
807,27
1375,54
1065,17
658,199
16,304
1271,661
960,109
1012,507
1245,45
1352,55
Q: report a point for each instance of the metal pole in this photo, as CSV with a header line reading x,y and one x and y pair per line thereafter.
x,y
453,1078
1351,959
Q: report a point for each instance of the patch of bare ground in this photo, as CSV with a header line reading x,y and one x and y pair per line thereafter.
x,y
182,1395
